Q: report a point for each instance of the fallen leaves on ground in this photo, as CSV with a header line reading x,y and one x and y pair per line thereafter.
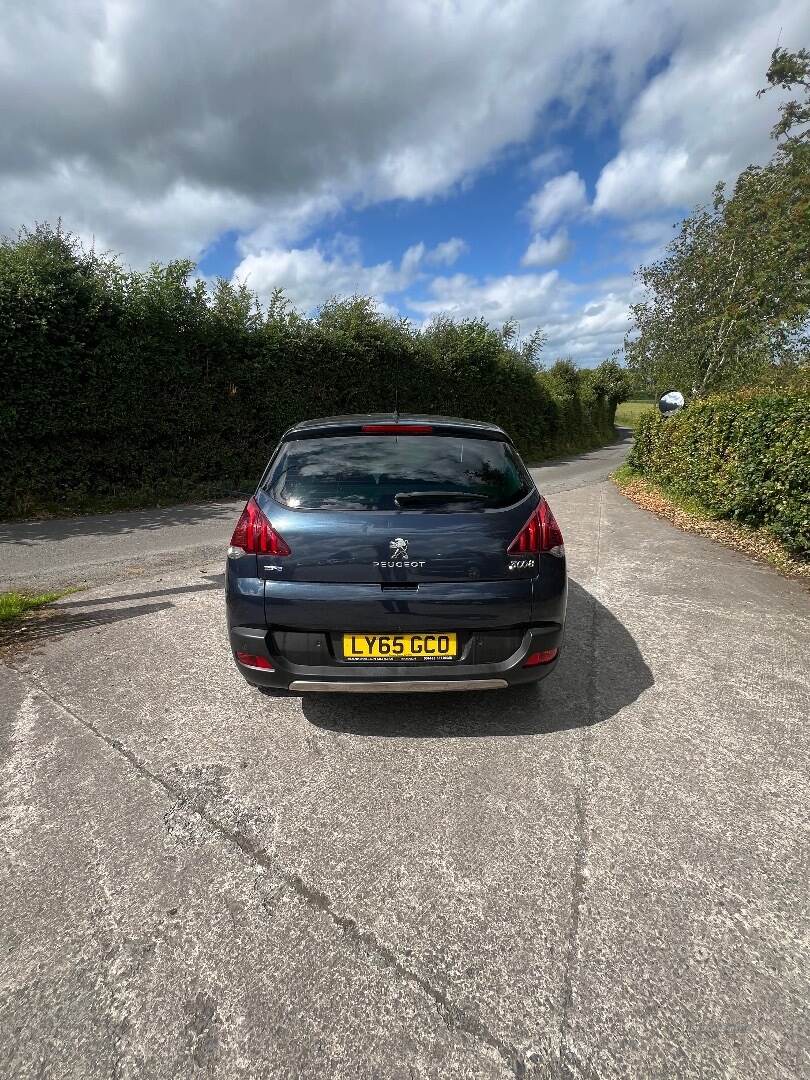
x,y
756,543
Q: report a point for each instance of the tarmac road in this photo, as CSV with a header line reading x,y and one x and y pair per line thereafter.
x,y
104,548
605,878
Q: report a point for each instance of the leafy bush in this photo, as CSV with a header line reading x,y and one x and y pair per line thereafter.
x,y
744,456
123,387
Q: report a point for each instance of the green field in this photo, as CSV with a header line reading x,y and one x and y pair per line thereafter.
x,y
628,413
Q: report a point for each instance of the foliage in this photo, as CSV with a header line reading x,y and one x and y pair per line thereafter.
x,y
15,604
743,455
788,70
610,380
124,387
731,298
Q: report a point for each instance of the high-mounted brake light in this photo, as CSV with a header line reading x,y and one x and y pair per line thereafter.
x,y
397,429
254,535
541,533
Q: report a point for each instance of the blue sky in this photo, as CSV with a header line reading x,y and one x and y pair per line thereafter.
x,y
489,211
515,160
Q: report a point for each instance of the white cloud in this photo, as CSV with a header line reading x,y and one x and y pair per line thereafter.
x,y
649,231
310,276
699,120
586,323
447,253
648,177
411,259
513,296
545,251
549,161
557,200
133,117
155,127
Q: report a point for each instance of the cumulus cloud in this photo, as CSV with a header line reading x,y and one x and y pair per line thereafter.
x,y
558,199
310,276
448,252
549,161
544,251
152,128
513,296
131,117
586,323
699,121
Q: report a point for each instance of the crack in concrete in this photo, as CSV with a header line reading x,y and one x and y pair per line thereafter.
x,y
454,1018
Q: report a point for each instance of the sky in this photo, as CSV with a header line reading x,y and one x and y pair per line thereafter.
x,y
511,160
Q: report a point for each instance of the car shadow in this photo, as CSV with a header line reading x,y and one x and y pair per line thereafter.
x,y
600,671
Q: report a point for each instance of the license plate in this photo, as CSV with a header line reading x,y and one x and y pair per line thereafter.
x,y
399,647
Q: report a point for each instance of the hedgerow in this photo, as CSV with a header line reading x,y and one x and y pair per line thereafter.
x,y
122,387
744,456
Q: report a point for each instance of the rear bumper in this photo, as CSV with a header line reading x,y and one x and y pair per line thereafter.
x,y
336,676
412,686
297,628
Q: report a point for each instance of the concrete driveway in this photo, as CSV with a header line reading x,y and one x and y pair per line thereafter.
x,y
607,878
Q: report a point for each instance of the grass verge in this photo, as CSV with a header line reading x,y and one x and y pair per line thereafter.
x,y
628,412
691,516
14,605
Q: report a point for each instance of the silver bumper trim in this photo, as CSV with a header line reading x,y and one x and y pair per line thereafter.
x,y
411,686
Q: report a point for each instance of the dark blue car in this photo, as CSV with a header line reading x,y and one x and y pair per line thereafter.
x,y
406,553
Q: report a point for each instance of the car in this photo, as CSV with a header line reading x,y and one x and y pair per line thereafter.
x,y
390,553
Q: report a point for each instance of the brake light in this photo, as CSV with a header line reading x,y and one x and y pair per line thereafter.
x,y
254,535
545,656
397,429
541,533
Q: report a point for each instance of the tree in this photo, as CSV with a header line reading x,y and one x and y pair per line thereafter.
x,y
730,299
788,70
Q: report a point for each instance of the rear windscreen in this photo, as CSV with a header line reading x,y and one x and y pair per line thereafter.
x,y
416,472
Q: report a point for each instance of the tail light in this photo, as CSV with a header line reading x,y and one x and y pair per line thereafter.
x,y
541,533
545,656
254,535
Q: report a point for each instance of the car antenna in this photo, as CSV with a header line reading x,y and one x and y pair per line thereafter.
x,y
396,393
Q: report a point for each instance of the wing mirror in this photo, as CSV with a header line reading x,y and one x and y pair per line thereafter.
x,y
671,402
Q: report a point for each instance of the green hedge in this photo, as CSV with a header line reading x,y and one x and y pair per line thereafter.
x,y
744,456
125,387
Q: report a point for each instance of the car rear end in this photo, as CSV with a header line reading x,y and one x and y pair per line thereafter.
x,y
395,555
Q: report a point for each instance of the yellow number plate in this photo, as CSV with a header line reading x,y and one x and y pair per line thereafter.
x,y
399,647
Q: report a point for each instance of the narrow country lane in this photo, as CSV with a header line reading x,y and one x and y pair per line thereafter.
x,y
605,878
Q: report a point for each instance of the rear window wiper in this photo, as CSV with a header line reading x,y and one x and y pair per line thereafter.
x,y
405,498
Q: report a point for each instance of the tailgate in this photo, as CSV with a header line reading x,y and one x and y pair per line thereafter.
x,y
346,547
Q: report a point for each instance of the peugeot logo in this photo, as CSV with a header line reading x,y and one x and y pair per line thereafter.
x,y
398,557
